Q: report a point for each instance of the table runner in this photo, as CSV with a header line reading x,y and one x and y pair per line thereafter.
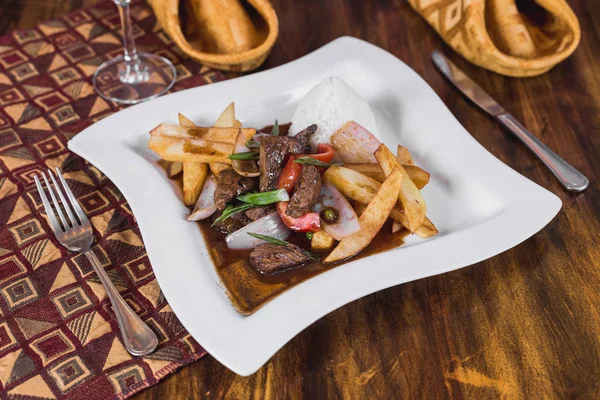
x,y
58,335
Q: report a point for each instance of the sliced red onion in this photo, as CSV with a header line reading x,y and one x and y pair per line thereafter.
x,y
205,206
270,225
347,223
247,168
355,144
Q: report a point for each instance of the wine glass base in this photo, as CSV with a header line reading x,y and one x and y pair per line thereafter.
x,y
151,77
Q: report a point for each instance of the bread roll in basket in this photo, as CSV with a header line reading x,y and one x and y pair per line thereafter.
x,y
231,35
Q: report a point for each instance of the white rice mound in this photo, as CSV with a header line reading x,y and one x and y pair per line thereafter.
x,y
330,105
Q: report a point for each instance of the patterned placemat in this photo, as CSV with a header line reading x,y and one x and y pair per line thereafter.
x,y
58,334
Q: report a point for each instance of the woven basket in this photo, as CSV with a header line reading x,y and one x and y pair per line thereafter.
x,y
223,37
495,35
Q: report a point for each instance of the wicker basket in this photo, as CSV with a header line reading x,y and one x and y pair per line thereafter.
x,y
495,35
231,35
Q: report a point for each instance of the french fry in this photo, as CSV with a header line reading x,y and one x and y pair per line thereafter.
x,y
322,242
427,229
185,121
419,176
359,208
359,188
227,118
194,150
174,168
371,220
410,198
403,155
213,134
194,175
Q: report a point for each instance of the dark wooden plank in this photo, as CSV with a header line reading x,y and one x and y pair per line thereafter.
x,y
525,323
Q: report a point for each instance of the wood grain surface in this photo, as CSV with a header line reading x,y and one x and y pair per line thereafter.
x,y
525,323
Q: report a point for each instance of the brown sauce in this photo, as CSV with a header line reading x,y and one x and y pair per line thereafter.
x,y
249,290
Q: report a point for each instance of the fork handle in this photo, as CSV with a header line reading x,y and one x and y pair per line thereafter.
x,y
138,338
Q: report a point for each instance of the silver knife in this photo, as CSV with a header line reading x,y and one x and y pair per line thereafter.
x,y
568,176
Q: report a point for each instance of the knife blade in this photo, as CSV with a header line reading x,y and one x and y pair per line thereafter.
x,y
569,177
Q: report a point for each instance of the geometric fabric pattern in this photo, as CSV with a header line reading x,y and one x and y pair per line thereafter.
x,y
59,338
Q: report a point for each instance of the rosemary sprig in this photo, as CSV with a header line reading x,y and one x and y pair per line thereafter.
x,y
269,239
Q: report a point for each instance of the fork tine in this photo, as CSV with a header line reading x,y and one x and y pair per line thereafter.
x,y
49,212
71,196
64,201
61,216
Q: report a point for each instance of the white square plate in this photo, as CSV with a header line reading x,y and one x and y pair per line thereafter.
x,y
481,206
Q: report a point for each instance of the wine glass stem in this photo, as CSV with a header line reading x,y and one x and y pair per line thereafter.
x,y
134,72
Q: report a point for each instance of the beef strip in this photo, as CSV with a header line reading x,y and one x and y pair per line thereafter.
x,y
273,151
229,186
306,191
231,224
258,212
270,259
304,135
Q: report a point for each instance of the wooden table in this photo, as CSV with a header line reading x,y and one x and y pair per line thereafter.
x,y
524,323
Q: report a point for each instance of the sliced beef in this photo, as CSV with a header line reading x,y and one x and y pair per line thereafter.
x,y
270,259
306,191
304,136
258,212
273,152
230,185
231,224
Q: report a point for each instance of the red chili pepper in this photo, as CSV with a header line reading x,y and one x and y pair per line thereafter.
x,y
326,153
289,175
310,221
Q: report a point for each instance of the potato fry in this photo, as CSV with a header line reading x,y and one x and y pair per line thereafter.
x,y
418,175
359,188
213,134
403,155
185,121
194,175
227,118
359,208
321,242
427,229
194,150
410,198
174,168
371,220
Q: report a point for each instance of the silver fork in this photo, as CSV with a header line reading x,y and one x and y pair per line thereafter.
x,y
76,235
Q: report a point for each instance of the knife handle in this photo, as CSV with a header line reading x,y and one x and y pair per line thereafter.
x,y
569,177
